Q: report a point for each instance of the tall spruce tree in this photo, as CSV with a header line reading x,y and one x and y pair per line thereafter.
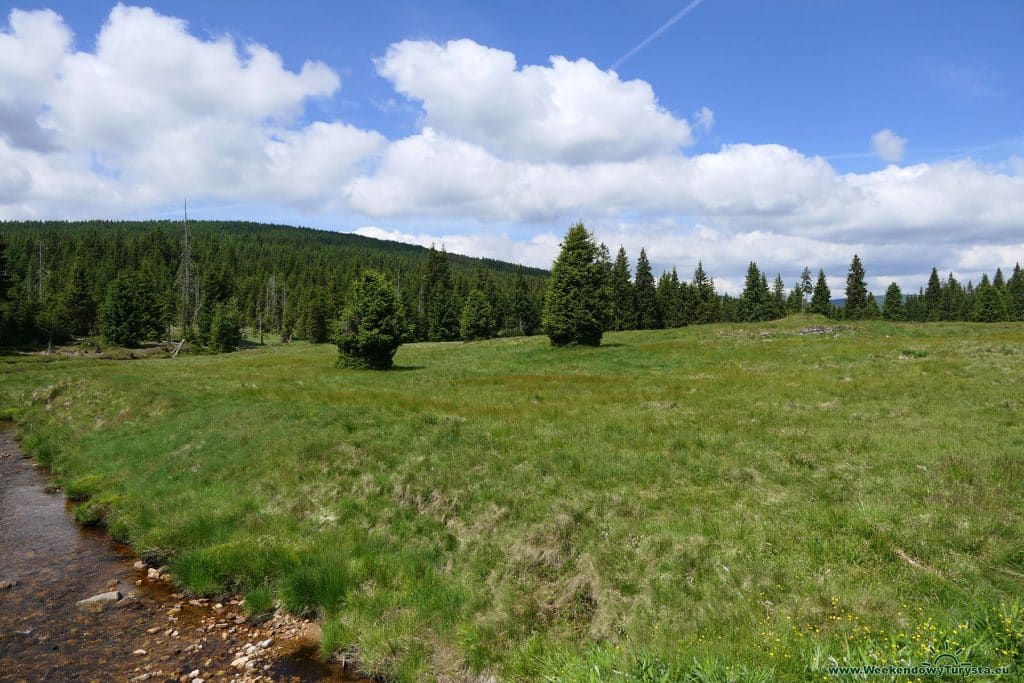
x,y
705,301
893,305
672,299
856,292
932,297
576,308
778,297
623,309
440,306
821,300
755,301
648,317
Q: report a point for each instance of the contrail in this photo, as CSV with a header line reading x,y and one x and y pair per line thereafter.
x,y
657,34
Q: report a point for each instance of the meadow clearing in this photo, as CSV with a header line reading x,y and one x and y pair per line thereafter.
x,y
721,502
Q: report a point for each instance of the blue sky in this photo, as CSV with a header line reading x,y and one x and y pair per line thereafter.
x,y
782,169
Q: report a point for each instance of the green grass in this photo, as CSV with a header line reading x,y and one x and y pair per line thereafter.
x,y
729,502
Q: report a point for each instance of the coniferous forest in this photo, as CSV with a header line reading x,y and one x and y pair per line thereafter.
x,y
131,282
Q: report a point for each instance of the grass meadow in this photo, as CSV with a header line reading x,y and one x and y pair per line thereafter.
x,y
714,503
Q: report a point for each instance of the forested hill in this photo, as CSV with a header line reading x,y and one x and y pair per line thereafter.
x,y
58,275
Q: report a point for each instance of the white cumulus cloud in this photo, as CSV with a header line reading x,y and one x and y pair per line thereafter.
x,y
569,111
888,146
156,112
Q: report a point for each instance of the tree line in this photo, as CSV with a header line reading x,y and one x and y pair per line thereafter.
x,y
589,294
130,282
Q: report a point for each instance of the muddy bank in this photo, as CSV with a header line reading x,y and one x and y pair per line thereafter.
x,y
141,629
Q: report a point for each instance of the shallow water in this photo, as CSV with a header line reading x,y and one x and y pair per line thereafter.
x,y
55,562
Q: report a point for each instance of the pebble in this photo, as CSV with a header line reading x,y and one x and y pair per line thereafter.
x,y
240,662
194,674
98,602
8,584
140,652
139,565
152,574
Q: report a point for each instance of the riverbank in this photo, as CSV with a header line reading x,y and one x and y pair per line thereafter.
x,y
77,606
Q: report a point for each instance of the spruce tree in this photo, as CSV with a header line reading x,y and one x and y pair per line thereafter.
x,y
319,323
998,281
523,306
754,304
576,308
440,306
672,297
893,305
821,300
932,298
372,324
684,301
806,287
126,316
78,300
705,301
648,317
989,306
778,297
872,311
483,281
795,300
623,310
856,292
1015,294
953,300
477,321
225,328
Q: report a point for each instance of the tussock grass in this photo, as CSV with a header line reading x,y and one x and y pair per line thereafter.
x,y
729,502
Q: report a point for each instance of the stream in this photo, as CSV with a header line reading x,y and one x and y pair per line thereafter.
x,y
48,563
